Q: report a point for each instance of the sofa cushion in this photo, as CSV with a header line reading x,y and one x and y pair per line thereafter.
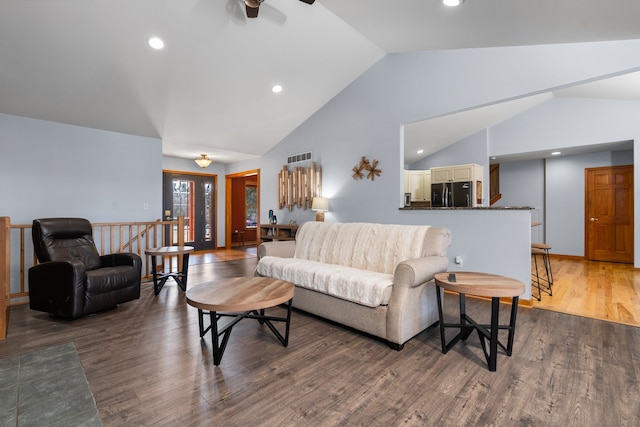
x,y
366,246
364,287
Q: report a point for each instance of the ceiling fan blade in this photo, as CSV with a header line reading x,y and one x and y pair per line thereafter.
x,y
308,1
272,14
252,12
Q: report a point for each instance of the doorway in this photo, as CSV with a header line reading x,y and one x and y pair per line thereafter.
x,y
609,214
242,207
193,197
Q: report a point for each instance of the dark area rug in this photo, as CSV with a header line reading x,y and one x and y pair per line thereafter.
x,y
46,387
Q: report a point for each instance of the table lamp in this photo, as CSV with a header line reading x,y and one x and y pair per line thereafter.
x,y
320,205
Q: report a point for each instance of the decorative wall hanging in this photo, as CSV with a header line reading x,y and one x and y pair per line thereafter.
x,y
357,169
299,187
371,169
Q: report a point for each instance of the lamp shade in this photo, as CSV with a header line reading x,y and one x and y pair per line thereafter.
x,y
320,204
203,161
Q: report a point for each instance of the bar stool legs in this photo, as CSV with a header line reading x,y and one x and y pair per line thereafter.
x,y
542,283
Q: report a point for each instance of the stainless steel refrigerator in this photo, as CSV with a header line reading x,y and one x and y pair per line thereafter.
x,y
452,194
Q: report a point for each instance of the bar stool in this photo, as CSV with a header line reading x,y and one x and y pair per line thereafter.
x,y
537,278
547,261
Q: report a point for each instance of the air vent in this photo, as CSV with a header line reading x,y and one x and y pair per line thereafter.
x,y
299,157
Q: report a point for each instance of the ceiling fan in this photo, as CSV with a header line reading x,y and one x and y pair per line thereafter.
x,y
252,6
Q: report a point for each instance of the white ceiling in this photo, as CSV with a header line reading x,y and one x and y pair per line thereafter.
x,y
86,62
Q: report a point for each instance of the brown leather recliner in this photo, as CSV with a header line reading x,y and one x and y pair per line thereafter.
x,y
72,279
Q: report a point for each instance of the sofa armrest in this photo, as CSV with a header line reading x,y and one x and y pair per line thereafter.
x,y
414,272
413,292
282,249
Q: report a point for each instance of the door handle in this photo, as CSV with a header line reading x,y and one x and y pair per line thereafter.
x,y
593,219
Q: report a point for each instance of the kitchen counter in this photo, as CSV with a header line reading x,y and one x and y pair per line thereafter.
x,y
477,208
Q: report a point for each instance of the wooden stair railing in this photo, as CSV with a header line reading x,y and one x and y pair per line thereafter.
x,y
5,264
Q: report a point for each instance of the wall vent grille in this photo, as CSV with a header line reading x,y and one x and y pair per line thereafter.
x,y
299,157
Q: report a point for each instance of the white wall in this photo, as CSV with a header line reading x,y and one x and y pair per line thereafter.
x,y
522,184
51,169
566,122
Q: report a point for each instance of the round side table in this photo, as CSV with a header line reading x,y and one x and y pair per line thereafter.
x,y
482,285
159,279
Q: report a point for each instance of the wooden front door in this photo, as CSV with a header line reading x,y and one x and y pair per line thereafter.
x,y
609,214
193,197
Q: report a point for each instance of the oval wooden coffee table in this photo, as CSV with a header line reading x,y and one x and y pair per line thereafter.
x,y
483,285
240,298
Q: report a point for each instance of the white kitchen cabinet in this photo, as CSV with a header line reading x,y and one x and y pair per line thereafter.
x,y
457,173
427,186
418,183
441,175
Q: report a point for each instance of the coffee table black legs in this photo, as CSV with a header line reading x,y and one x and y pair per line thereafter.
x,y
225,331
485,332
159,279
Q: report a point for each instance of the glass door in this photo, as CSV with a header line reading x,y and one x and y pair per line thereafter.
x,y
191,196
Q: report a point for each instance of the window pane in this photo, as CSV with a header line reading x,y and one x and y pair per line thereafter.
x,y
252,206
183,206
208,212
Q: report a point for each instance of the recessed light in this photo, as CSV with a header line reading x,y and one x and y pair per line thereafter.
x,y
156,43
556,153
452,3
276,89
420,151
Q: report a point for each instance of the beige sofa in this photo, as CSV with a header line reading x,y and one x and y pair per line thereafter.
x,y
377,278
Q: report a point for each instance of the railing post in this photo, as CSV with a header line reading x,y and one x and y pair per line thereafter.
x,y
180,239
5,264
180,231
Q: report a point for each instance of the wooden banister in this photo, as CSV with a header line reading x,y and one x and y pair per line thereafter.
x,y
5,266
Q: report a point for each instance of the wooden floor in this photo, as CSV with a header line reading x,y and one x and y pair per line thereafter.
x,y
599,290
146,365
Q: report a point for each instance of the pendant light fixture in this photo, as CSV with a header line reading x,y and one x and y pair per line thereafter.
x,y
203,161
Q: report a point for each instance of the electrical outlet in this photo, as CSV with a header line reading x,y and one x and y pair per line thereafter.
x,y
145,206
458,261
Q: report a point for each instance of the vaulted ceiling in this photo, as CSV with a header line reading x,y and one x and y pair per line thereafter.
x,y
87,62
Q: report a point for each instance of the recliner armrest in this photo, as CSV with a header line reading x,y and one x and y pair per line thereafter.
x,y
128,258
58,287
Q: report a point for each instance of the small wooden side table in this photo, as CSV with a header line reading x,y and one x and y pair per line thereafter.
x,y
483,285
159,279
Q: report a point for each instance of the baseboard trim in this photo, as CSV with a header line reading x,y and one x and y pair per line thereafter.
x,y
570,257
